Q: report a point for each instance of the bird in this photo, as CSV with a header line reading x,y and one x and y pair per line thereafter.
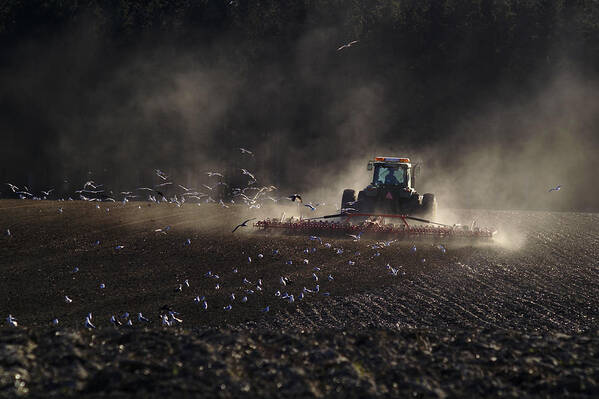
x,y
161,174
186,282
141,317
212,174
314,276
244,299
348,45
312,208
228,307
356,237
165,321
330,278
245,172
11,321
88,323
55,322
115,322
282,281
266,309
244,151
295,197
556,188
67,299
102,286
13,187
205,305
243,224
119,247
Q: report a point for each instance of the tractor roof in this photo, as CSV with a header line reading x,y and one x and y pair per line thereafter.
x,y
391,160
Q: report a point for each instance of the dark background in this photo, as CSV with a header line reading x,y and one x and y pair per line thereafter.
x,y
498,99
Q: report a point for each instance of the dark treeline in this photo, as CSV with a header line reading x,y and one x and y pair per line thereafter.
x,y
114,89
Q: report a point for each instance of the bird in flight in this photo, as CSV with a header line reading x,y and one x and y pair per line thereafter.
x,y
295,197
348,45
356,237
245,172
244,151
556,188
244,224
212,174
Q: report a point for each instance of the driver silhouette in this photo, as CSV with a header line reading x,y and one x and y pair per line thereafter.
x,y
390,179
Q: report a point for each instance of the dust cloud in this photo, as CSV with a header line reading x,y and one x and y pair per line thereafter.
x,y
313,119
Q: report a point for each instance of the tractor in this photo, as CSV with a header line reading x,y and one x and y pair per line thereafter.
x,y
391,191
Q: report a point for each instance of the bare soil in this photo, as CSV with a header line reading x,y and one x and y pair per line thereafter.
x,y
518,317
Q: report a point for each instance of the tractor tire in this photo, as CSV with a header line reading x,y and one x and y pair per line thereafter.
x,y
365,204
348,197
429,206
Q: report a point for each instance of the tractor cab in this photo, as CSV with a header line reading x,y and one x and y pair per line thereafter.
x,y
391,190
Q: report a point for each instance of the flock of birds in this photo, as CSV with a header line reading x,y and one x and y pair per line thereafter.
x,y
252,196
166,191
291,289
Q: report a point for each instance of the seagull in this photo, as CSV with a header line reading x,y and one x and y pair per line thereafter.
x,y
165,321
115,322
330,278
316,238
244,151
11,321
13,187
356,237
266,309
161,174
141,317
119,247
8,232
102,286
314,276
67,299
46,193
228,307
212,174
55,322
295,197
245,172
348,45
243,224
88,323
312,208
556,188
283,282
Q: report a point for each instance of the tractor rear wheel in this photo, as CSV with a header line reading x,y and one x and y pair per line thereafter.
x,y
348,199
429,206
365,204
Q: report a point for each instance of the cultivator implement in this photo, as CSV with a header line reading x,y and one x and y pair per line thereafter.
x,y
375,225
